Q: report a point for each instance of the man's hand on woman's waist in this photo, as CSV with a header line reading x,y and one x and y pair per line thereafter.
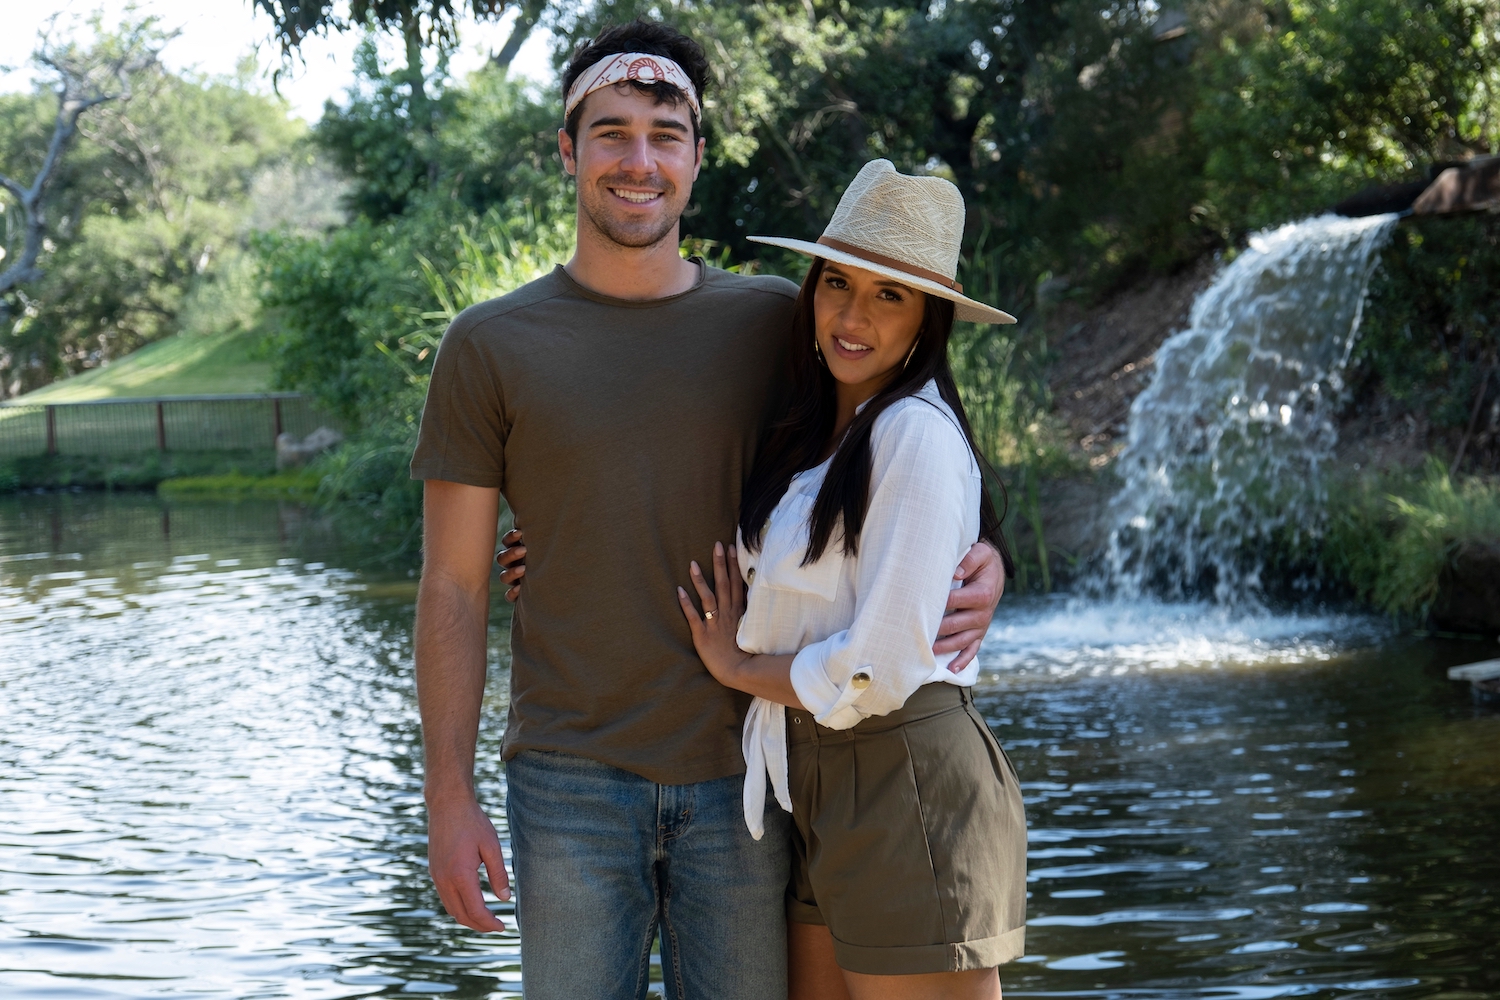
x,y
972,606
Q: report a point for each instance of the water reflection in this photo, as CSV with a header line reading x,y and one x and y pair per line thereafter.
x,y
212,782
215,780
1292,812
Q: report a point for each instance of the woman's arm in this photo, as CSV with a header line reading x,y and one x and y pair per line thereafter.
x,y
923,517
763,675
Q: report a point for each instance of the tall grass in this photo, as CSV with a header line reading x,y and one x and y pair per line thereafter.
x,y
1394,540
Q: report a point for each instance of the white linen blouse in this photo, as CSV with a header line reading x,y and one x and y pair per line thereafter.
x,y
862,626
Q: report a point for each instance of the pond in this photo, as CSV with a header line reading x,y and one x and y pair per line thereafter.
x,y
211,781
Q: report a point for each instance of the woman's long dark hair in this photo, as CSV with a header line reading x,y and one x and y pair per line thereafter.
x,y
796,443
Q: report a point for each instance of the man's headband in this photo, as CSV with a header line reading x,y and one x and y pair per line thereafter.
x,y
627,67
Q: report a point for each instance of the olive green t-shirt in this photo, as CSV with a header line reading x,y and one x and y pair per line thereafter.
x,y
620,433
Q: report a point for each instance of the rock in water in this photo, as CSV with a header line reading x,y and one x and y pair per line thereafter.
x,y
1469,597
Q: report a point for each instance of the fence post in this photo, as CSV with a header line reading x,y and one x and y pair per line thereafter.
x,y
161,427
51,429
275,420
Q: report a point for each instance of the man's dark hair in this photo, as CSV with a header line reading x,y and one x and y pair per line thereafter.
x,y
651,38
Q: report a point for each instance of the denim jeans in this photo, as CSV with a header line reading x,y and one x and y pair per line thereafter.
x,y
605,859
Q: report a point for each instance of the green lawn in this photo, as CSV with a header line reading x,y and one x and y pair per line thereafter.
x,y
181,365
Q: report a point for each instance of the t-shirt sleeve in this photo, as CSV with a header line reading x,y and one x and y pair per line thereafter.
x,y
463,430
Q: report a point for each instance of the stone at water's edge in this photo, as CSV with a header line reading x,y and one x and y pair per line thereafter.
x,y
1469,599
293,454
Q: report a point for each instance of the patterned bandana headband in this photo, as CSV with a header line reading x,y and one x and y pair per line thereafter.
x,y
631,66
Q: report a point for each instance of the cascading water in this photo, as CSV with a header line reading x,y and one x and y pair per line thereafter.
x,y
1225,447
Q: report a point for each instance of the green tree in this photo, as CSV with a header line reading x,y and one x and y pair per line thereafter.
x,y
1303,102
153,205
81,78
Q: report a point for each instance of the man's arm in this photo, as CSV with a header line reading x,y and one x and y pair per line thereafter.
x,y
971,606
453,604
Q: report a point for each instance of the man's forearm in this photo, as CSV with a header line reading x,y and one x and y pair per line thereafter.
x,y
450,654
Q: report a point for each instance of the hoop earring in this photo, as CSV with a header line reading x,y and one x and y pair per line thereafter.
x,y
909,353
818,352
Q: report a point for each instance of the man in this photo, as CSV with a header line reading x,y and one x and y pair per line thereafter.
x,y
617,403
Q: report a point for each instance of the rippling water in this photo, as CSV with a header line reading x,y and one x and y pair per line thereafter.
x,y
210,782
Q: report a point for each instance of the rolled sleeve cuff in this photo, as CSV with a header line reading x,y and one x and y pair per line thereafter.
x,y
830,705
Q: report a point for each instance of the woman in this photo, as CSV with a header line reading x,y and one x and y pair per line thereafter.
x,y
910,841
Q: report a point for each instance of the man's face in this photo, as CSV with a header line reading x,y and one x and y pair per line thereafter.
x,y
635,161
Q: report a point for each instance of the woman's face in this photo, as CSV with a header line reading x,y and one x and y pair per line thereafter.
x,y
866,323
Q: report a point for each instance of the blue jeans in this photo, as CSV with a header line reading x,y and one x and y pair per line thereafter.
x,y
604,859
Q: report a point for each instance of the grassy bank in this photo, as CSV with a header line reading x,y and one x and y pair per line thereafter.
x,y
301,485
143,471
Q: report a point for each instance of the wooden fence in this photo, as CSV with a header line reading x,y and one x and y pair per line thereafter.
x,y
170,423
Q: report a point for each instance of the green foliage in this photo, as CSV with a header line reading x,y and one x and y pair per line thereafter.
x,y
1395,539
1061,123
345,304
487,144
382,139
1431,334
138,471
1304,101
147,214
389,345
327,297
294,21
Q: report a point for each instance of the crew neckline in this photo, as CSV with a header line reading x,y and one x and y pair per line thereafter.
x,y
583,291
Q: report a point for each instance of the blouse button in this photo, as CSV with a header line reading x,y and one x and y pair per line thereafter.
x,y
860,681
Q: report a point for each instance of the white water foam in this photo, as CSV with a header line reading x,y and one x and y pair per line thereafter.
x,y
1225,447
1071,637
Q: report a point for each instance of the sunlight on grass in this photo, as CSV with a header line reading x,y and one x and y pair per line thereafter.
x,y
181,365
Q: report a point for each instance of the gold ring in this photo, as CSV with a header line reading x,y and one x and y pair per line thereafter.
x,y
708,616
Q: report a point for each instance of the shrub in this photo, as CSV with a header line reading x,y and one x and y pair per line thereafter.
x,y
1393,541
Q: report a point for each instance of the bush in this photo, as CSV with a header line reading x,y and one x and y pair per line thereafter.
x,y
1396,538
1431,335
387,344
1303,102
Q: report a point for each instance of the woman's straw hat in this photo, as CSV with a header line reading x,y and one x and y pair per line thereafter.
x,y
904,228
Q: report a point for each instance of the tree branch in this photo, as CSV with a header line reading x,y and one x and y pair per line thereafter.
x,y
526,20
85,81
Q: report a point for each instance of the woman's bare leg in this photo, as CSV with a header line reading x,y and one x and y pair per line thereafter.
x,y
812,973
980,984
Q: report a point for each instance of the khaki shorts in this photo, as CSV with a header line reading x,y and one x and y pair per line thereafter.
x,y
909,839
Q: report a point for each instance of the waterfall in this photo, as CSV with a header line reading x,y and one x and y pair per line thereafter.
x,y
1225,448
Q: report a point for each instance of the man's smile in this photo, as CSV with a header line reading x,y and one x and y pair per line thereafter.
x,y
637,197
